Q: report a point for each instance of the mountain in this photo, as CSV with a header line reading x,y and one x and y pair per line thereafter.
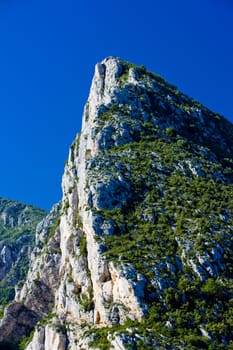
x,y
17,234
139,254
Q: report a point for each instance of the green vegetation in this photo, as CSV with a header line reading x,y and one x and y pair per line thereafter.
x,y
86,299
52,229
6,294
176,224
17,231
69,276
87,302
100,340
143,74
83,245
66,206
25,341
2,308
170,158
21,219
167,206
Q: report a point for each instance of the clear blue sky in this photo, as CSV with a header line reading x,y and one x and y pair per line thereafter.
x,y
48,52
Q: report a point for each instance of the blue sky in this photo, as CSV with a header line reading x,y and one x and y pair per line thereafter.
x,y
48,52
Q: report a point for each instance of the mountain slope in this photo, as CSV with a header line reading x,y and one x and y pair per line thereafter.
x,y
17,232
140,253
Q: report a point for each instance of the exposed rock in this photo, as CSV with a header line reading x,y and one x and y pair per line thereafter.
x,y
18,321
143,232
17,235
38,340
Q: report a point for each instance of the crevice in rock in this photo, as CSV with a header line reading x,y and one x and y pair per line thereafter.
x,y
97,318
106,276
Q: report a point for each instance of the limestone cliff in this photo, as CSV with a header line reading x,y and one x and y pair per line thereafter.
x,y
17,233
142,240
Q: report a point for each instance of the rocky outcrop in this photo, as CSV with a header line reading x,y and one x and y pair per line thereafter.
x,y
14,214
35,296
17,225
140,231
18,322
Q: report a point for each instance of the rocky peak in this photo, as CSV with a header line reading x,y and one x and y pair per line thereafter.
x,y
142,241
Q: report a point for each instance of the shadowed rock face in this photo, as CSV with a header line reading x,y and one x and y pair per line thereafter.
x,y
140,250
18,321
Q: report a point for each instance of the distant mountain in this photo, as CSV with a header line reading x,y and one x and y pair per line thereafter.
x,y
17,236
140,253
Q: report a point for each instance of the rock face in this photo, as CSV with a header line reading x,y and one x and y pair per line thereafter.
x,y
17,233
140,250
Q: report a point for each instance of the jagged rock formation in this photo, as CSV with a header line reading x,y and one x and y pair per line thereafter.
x,y
17,233
140,253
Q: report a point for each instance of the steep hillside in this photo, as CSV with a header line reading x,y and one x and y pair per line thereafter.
x,y
17,233
139,256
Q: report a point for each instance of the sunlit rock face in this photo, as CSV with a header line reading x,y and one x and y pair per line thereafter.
x,y
141,241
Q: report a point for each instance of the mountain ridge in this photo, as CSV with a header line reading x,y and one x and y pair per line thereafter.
x,y
140,253
17,226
